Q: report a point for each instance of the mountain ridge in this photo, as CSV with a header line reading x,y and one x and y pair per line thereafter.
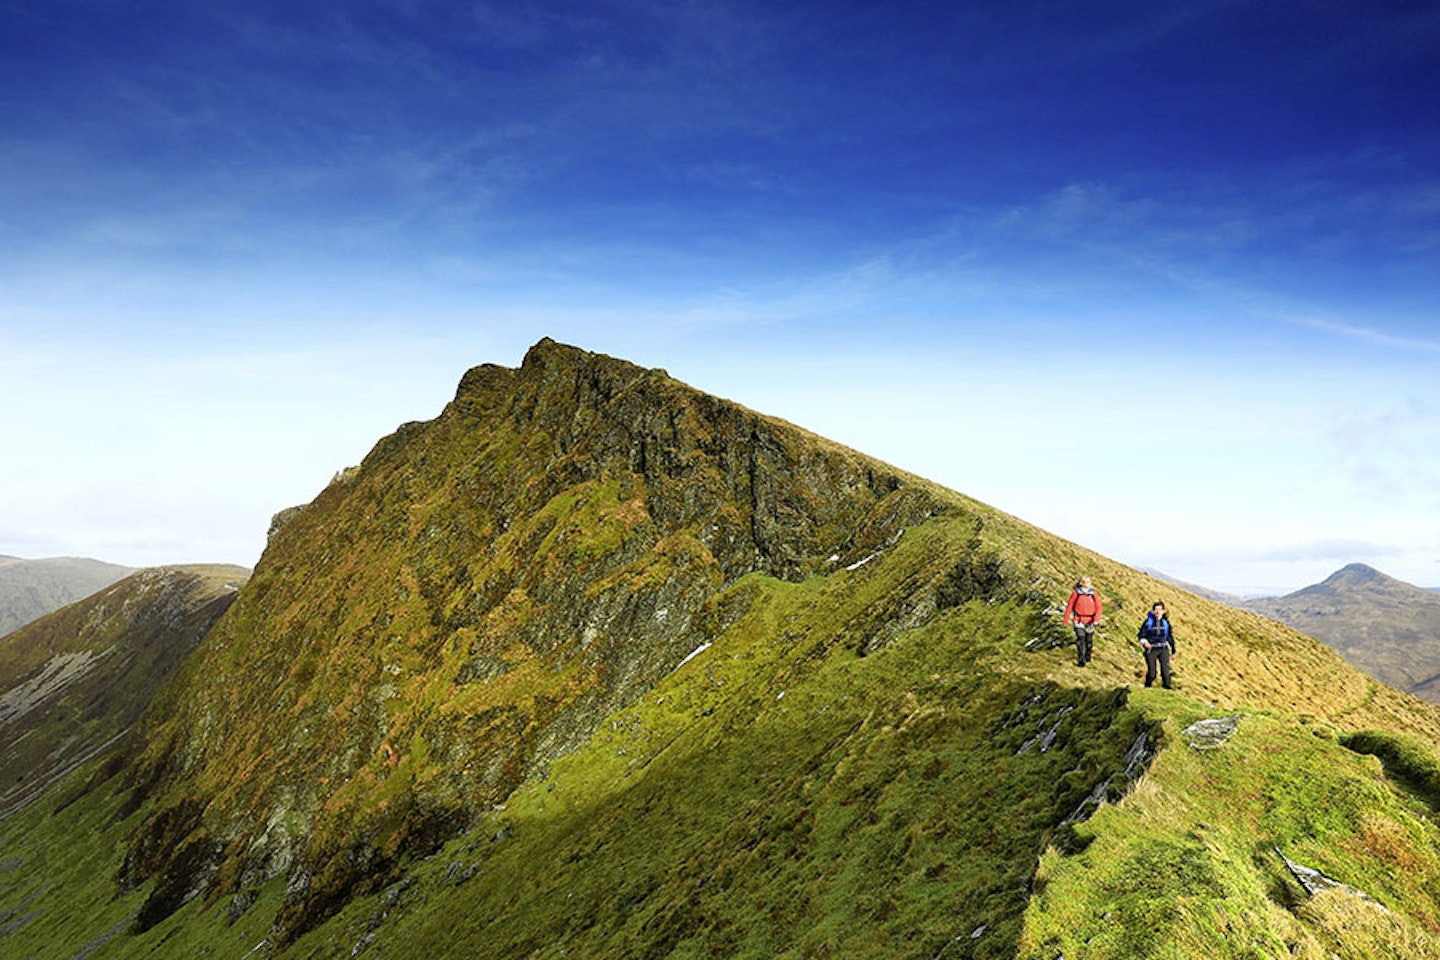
x,y
643,499
74,681
29,589
595,664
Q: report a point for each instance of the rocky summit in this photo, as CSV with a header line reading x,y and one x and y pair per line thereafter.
x,y
596,665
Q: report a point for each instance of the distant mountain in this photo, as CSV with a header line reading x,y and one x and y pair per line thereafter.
x,y
594,665
29,589
1386,627
74,681
1232,599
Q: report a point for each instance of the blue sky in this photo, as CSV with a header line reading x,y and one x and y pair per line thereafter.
x,y
1162,278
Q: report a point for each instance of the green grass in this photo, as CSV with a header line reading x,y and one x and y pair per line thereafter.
x,y
1186,865
444,719
785,813
55,896
782,795
1411,761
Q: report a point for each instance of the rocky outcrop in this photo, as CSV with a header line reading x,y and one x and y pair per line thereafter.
x,y
1313,882
1211,734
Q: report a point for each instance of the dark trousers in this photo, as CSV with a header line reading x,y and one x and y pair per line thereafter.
x,y
1084,641
1158,656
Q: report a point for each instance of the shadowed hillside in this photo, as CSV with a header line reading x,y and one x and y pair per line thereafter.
x,y
1386,627
597,665
29,589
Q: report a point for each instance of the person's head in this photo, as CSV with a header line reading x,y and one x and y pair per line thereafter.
x,y
1158,610
1083,583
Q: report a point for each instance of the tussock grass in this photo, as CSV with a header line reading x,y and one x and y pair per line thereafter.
x,y
1185,865
1410,760
1349,928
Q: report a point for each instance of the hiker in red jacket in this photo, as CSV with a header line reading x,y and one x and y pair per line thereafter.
x,y
1083,612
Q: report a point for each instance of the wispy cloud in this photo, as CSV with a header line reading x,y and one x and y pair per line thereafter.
x,y
1370,335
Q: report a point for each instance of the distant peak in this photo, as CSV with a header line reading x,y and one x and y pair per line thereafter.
x,y
1360,568
1352,580
1356,572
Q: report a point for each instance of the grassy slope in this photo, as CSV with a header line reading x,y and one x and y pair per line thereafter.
x,y
781,796
879,808
1187,866
466,606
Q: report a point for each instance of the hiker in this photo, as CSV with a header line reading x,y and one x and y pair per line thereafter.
x,y
1158,642
1083,612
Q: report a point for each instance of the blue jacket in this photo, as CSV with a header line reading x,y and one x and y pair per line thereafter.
x,y
1156,632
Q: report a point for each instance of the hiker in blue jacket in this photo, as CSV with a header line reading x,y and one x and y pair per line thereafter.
x,y
1158,642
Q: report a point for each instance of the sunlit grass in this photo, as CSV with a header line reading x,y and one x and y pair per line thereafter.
x,y
446,719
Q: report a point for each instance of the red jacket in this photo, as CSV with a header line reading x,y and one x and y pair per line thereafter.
x,y
1084,607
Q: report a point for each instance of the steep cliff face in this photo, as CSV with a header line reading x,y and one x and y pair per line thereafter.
x,y
72,683
464,608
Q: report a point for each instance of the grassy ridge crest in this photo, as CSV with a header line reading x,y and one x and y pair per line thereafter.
x,y
595,665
